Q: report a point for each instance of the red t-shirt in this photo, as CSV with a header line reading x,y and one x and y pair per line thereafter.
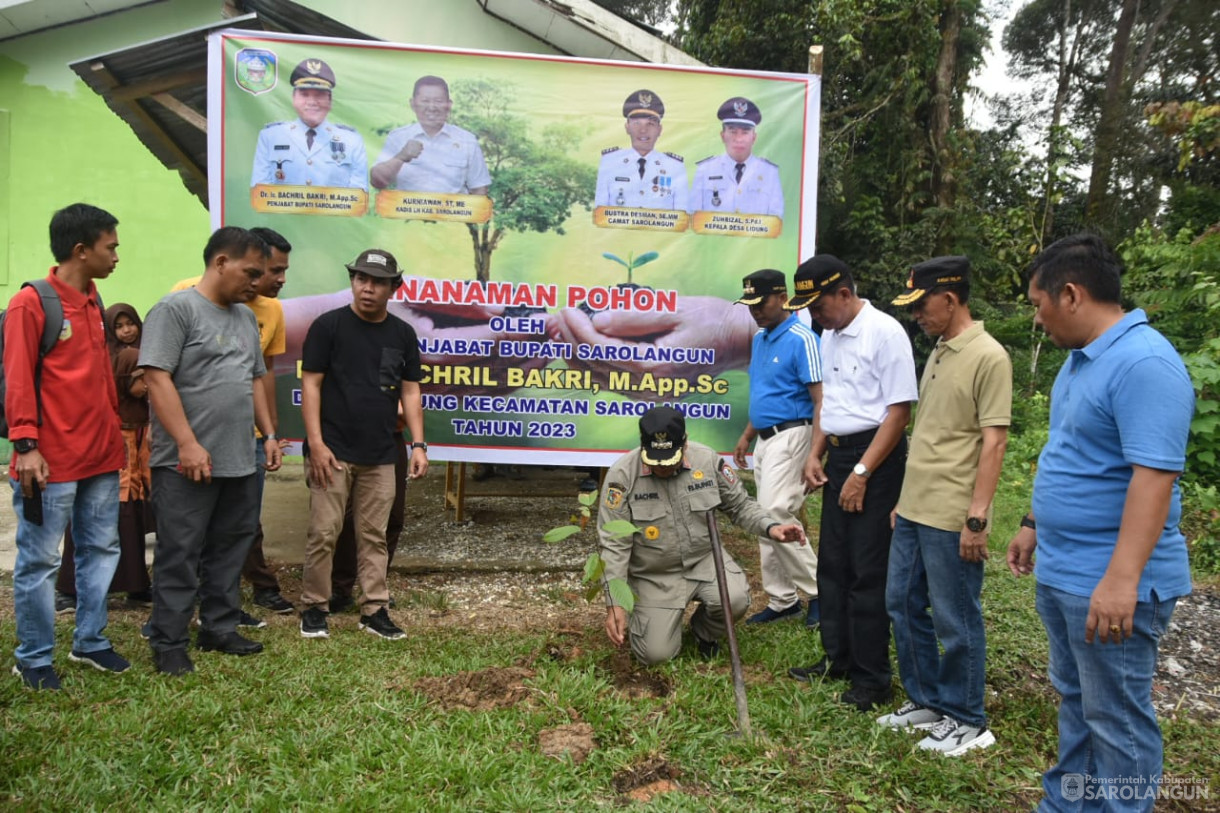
x,y
79,436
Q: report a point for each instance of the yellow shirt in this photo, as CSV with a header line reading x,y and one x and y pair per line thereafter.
x,y
272,335
966,385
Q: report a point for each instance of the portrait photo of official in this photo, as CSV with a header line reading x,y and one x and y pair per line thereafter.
x,y
737,180
641,176
311,150
432,154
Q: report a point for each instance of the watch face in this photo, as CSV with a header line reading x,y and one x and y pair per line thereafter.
x,y
976,524
860,470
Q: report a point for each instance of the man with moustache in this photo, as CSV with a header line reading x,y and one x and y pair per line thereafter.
x,y
944,514
203,366
640,176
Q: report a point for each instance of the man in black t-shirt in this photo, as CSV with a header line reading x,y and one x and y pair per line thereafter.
x,y
358,364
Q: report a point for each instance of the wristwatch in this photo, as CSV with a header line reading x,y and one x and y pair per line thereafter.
x,y
860,470
25,445
419,444
272,436
1028,522
976,524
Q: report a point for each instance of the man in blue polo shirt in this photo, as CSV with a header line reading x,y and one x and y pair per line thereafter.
x,y
785,387
1111,559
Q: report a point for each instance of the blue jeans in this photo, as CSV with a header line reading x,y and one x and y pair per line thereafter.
x,y
925,571
92,505
1107,725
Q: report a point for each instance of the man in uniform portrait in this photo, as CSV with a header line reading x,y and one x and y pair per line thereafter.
x,y
737,180
310,150
639,176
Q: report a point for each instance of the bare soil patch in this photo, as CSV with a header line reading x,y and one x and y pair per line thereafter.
x,y
574,740
486,689
644,780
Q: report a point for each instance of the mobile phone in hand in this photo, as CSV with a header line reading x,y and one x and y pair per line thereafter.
x,y
32,505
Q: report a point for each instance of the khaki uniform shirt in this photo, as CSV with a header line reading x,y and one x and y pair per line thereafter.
x,y
673,544
966,385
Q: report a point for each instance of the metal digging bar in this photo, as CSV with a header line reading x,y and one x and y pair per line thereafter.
x,y
739,683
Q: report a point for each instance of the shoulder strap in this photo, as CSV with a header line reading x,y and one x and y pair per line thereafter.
x,y
53,311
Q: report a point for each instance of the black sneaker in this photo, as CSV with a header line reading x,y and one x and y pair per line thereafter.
x,y
313,624
822,670
341,603
173,662
865,698
37,677
767,615
141,598
250,622
64,603
707,649
273,601
379,623
146,629
105,660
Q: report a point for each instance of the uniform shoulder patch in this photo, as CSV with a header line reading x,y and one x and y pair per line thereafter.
x,y
609,150
346,127
768,163
676,157
271,124
728,473
709,158
615,493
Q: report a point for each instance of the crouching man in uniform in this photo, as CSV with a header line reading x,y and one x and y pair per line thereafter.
x,y
666,488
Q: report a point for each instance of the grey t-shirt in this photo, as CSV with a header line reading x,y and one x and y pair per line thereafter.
x,y
213,355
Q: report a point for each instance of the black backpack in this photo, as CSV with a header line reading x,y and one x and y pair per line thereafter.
x,y
53,308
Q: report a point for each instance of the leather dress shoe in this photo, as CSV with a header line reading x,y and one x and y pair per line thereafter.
x,y
821,670
173,662
229,643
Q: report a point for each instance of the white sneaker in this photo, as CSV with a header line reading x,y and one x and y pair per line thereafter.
x,y
911,715
953,739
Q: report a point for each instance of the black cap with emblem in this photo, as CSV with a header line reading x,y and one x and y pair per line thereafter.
x,y
313,73
761,284
643,103
931,273
662,436
815,276
740,111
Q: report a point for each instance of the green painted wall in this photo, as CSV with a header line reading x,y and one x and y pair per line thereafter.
x,y
60,143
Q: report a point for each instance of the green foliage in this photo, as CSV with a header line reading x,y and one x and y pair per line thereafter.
x,y
594,579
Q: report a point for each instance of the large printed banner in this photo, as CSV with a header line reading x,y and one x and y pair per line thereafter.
x,y
572,232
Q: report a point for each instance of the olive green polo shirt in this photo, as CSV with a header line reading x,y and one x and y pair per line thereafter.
x,y
966,386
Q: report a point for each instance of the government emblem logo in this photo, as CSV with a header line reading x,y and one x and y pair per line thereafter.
x,y
255,70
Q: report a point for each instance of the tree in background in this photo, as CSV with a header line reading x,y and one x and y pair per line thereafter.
x,y
535,181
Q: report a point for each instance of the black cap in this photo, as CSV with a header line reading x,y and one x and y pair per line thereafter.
x,y
815,275
761,284
375,263
930,273
662,436
313,73
644,103
740,111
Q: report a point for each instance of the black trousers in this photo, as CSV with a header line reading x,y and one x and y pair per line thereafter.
x,y
204,532
853,558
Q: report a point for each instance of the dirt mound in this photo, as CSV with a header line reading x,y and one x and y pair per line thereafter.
x,y
487,689
632,680
575,739
647,779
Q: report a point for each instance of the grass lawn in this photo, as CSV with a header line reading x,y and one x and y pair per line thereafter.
x,y
355,723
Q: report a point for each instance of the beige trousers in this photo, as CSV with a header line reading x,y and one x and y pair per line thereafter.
x,y
371,489
778,463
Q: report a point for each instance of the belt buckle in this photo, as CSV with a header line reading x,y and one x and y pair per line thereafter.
x,y
834,439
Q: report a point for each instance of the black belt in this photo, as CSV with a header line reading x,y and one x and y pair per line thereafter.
x,y
857,439
772,431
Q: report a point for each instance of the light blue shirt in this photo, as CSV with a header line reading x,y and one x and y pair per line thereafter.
x,y
662,184
1124,399
784,361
